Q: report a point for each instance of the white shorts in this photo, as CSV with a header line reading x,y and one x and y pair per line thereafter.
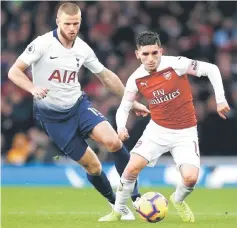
x,y
157,140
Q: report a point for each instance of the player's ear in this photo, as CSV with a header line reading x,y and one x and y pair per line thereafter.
x,y
137,54
57,21
161,51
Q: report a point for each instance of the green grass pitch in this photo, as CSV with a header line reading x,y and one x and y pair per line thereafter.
x,y
58,207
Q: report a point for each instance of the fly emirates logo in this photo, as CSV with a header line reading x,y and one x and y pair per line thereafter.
x,y
160,96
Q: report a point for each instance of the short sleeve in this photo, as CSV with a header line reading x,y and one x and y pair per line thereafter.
x,y
33,52
180,65
92,62
131,85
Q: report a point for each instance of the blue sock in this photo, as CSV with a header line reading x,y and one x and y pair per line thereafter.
x,y
102,184
121,158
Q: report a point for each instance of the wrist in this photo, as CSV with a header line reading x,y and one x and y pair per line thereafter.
x,y
220,99
121,128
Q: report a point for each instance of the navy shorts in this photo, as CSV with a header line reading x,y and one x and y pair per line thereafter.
x,y
69,135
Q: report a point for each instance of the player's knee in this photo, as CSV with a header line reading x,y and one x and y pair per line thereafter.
x,y
94,169
131,173
113,144
190,179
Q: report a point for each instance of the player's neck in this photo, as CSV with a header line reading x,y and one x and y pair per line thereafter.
x,y
67,44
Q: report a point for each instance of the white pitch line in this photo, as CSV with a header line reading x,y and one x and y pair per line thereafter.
x,y
99,213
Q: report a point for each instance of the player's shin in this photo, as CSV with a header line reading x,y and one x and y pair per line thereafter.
x,y
121,158
102,185
182,191
124,191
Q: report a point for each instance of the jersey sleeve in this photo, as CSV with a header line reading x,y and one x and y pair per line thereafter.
x,y
131,85
92,62
180,65
33,52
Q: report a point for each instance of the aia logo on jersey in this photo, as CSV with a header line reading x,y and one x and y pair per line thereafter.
x,y
144,84
167,75
63,76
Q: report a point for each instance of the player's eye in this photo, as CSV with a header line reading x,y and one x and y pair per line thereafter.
x,y
77,23
154,52
145,53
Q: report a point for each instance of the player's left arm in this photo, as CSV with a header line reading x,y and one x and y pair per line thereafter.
x,y
114,84
200,68
111,81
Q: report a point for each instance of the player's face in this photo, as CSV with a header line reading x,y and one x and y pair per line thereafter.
x,y
150,56
69,25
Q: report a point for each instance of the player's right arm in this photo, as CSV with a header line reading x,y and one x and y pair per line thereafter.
x,y
126,105
123,113
16,74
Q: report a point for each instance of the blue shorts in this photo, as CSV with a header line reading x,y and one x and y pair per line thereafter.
x,y
69,134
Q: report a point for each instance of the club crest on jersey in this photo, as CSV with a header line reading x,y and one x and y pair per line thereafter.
x,y
77,59
167,75
144,84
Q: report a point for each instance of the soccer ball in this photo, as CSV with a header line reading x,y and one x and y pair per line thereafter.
x,y
152,207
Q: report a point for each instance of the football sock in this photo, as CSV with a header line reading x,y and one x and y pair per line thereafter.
x,y
102,184
123,192
121,158
182,192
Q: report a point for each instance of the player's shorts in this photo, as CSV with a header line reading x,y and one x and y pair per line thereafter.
x,y
157,140
69,135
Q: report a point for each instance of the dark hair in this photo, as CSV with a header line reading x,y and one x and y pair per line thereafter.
x,y
148,38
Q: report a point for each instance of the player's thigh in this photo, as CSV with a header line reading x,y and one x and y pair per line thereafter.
x,y
90,162
149,150
187,153
135,165
104,134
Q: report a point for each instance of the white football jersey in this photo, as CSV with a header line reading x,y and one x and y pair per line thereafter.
x,y
179,64
56,68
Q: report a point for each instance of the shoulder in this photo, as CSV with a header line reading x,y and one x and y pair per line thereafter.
x,y
175,62
41,42
139,73
83,46
46,38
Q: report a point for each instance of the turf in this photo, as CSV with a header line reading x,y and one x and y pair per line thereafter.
x,y
81,208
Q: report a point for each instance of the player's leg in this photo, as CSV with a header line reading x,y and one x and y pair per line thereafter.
x,y
95,175
65,136
145,152
126,186
186,156
110,140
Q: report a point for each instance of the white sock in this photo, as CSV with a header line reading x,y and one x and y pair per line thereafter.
x,y
123,193
182,192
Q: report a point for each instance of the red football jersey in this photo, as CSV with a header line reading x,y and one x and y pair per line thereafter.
x,y
169,97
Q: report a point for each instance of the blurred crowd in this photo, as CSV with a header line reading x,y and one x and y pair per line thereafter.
x,y
204,31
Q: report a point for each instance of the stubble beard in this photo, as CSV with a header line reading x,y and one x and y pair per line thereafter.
x,y
63,34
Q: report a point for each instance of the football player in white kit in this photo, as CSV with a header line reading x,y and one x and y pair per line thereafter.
x,y
62,108
162,80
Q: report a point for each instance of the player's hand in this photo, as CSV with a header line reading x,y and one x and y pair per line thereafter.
x,y
222,109
123,134
39,93
140,109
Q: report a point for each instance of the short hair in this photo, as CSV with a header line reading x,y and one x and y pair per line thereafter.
x,y
148,38
69,8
